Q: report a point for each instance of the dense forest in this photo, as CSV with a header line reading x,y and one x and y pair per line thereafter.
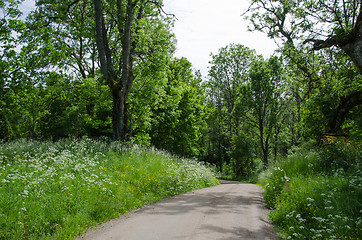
x,y
108,69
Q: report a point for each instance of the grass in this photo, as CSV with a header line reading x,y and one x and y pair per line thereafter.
x,y
316,194
58,190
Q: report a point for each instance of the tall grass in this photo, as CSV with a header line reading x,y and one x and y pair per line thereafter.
x,y
316,194
58,190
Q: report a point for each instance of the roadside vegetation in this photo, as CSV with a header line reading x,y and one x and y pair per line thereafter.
x,y
57,190
108,69
316,194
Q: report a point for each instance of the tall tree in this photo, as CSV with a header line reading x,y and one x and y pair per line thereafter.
x,y
89,39
178,113
326,24
117,38
13,84
260,101
229,68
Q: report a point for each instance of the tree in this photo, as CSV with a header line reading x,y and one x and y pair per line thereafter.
x,y
331,24
260,101
93,39
229,68
338,22
123,21
178,112
14,86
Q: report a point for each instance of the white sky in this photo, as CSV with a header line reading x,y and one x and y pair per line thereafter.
x,y
204,26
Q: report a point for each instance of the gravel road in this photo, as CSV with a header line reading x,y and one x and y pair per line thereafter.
x,y
229,211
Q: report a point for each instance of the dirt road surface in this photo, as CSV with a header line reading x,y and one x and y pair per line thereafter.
x,y
229,211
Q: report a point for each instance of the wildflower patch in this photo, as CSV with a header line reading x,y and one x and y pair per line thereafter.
x,y
59,190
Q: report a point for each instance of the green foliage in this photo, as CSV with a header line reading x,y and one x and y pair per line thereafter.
x,y
242,155
329,80
260,103
56,190
93,104
315,194
229,69
329,95
59,109
312,122
178,113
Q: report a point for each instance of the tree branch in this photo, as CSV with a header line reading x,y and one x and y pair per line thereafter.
x,y
160,8
321,44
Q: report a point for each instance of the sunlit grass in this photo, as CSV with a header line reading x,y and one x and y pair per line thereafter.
x,y
58,190
316,194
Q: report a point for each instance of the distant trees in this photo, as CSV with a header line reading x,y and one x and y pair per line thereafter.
x,y
247,99
260,103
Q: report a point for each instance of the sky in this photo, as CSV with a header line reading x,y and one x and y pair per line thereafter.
x,y
204,26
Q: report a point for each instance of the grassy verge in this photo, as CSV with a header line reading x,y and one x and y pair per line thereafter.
x,y
316,194
58,190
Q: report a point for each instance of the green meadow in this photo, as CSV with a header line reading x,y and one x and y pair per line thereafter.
x,y
57,190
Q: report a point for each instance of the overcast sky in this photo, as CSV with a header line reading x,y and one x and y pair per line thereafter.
x,y
204,26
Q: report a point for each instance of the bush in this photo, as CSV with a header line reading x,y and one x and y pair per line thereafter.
x,y
337,157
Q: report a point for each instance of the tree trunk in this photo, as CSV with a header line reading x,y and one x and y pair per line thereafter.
x,y
345,105
265,156
120,82
118,115
353,44
263,145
